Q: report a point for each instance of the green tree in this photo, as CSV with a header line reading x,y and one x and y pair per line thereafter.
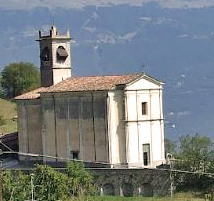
x,y
169,146
198,150
18,78
196,155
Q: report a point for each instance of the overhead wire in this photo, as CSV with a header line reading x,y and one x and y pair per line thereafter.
x,y
104,163
6,146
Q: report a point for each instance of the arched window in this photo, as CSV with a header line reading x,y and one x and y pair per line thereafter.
x,y
61,53
127,189
45,56
108,189
147,190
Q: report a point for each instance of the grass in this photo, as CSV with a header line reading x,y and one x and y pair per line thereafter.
x,y
176,197
8,112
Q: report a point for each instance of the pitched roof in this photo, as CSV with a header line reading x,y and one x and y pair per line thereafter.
x,y
90,83
86,83
35,94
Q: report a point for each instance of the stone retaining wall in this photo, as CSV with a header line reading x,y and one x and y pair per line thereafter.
x,y
132,182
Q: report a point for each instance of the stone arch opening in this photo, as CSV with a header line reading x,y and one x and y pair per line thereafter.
x,y
108,189
127,189
147,190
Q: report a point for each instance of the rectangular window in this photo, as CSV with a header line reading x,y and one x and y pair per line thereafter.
x,y
146,154
144,108
74,154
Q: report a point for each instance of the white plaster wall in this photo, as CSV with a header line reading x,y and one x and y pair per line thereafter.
x,y
157,144
66,45
156,110
143,83
59,73
143,129
143,96
131,111
133,157
144,138
156,141
116,131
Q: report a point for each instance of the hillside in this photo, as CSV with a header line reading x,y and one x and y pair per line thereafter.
x,y
8,112
171,44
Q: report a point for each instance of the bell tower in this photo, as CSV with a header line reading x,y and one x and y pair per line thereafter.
x,y
55,59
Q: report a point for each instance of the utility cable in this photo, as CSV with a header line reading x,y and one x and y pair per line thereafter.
x,y
134,167
6,146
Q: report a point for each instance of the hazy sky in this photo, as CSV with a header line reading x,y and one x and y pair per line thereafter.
x,y
52,4
174,46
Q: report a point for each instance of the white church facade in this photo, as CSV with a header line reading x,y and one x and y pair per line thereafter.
x,y
112,120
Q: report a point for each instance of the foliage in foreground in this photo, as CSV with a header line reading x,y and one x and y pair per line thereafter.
x,y
196,154
15,186
49,184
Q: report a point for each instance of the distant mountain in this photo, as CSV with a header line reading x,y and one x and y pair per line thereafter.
x,y
174,45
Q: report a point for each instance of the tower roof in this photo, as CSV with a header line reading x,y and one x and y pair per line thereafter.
x,y
54,34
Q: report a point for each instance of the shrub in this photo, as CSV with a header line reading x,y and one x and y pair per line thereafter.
x,y
16,186
48,183
80,180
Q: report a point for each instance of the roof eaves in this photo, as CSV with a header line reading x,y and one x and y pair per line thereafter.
x,y
147,77
136,78
67,91
154,80
31,95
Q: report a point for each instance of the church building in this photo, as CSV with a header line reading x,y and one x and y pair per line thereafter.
x,y
112,120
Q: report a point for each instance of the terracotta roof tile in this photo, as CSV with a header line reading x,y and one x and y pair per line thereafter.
x,y
90,83
35,94
87,83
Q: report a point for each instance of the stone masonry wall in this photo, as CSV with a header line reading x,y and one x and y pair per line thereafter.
x,y
132,182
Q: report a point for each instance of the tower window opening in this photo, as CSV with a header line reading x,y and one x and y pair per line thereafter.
x,y
45,54
61,53
144,108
